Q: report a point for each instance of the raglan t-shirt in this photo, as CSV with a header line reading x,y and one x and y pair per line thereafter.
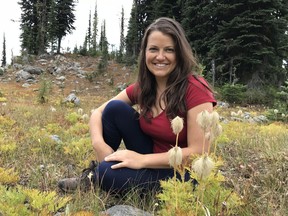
x,y
159,128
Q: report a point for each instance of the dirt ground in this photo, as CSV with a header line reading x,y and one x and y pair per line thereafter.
x,y
103,85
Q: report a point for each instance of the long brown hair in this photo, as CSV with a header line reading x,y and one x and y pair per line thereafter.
x,y
174,95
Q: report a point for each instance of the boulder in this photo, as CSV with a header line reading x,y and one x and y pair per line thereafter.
x,y
33,70
23,75
125,210
72,98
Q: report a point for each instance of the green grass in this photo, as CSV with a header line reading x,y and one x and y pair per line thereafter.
x,y
255,159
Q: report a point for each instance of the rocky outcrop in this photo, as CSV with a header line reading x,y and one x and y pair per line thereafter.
x,y
125,210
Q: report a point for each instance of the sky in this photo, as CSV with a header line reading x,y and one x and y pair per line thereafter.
x,y
108,10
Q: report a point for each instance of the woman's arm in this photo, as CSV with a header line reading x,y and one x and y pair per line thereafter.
x,y
195,138
101,148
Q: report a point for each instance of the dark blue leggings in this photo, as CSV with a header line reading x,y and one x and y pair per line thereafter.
x,y
120,121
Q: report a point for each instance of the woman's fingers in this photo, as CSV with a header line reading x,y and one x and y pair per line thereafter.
x,y
116,156
126,158
118,165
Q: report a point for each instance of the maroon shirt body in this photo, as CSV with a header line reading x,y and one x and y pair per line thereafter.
x,y
159,128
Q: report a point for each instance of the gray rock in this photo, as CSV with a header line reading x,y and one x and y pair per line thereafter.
x,y
23,75
44,56
260,119
43,61
30,81
236,119
222,104
55,138
73,99
17,66
81,72
26,85
58,70
246,115
2,70
125,210
121,86
60,58
33,70
61,78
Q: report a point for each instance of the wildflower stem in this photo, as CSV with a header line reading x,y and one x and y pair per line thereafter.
x,y
176,145
197,205
209,148
175,178
203,144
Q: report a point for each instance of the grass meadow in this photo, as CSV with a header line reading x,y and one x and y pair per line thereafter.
x,y
41,143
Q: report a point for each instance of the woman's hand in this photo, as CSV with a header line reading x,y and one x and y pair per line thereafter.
x,y
126,158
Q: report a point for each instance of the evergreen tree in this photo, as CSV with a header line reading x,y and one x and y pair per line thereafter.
x,y
146,13
42,7
95,30
44,21
29,26
166,8
75,50
64,20
132,40
200,27
141,16
248,40
34,20
83,50
89,33
52,36
122,38
198,24
103,45
3,62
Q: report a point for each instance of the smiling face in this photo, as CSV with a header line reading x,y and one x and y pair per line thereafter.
x,y
160,55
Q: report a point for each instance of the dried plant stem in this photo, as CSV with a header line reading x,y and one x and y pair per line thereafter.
x,y
197,205
203,144
202,194
175,178
176,193
209,147
177,126
176,145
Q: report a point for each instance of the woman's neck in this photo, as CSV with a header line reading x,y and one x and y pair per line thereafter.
x,y
161,86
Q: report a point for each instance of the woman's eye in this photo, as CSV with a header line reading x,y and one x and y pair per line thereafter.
x,y
169,50
152,49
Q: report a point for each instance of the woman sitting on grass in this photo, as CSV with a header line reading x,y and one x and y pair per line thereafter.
x,y
167,86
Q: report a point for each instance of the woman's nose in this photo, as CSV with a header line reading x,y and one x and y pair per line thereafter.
x,y
160,55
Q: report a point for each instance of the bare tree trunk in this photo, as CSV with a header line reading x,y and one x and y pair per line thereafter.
x,y
59,45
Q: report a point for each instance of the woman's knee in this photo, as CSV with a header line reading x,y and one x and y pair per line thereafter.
x,y
104,168
114,106
108,178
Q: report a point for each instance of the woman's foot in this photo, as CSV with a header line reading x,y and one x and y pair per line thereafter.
x,y
85,182
68,185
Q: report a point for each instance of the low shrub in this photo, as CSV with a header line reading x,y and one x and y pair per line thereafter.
x,y
233,94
